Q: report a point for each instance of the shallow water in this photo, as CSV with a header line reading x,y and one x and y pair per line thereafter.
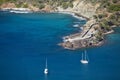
x,y
27,39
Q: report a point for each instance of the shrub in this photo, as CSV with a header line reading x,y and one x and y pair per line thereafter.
x,y
41,6
25,6
114,7
71,5
65,5
18,5
114,1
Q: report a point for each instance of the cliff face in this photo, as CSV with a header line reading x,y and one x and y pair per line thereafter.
x,y
83,8
86,9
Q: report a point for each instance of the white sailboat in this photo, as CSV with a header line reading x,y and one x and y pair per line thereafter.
x,y
46,69
84,59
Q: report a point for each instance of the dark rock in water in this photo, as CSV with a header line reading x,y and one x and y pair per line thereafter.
x,y
67,45
80,44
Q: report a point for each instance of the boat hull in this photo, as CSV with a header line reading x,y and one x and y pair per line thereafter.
x,y
84,61
46,71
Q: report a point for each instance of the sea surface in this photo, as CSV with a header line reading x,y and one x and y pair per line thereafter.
x,y
26,40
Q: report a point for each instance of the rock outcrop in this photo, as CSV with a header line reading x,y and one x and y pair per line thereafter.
x,y
87,38
82,8
33,8
8,5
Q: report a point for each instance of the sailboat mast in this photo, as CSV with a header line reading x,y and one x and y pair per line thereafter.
x,y
46,62
85,54
82,56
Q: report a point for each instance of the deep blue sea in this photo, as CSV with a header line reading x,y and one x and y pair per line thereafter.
x,y
27,39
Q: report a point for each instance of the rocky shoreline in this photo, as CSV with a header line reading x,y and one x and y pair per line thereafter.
x,y
84,43
86,38
90,36
92,33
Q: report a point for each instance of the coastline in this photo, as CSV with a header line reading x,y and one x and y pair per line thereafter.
x,y
73,14
23,55
81,39
28,10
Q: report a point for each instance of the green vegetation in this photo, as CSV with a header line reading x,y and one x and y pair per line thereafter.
x,y
114,7
67,4
25,5
64,3
99,36
115,1
105,26
41,3
109,16
100,16
115,18
20,4
4,1
41,6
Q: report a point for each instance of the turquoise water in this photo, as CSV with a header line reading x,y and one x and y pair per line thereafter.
x,y
27,39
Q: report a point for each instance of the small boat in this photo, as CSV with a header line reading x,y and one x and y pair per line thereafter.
x,y
84,59
46,69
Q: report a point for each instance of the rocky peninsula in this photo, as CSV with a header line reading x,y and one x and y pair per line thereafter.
x,y
99,24
101,16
